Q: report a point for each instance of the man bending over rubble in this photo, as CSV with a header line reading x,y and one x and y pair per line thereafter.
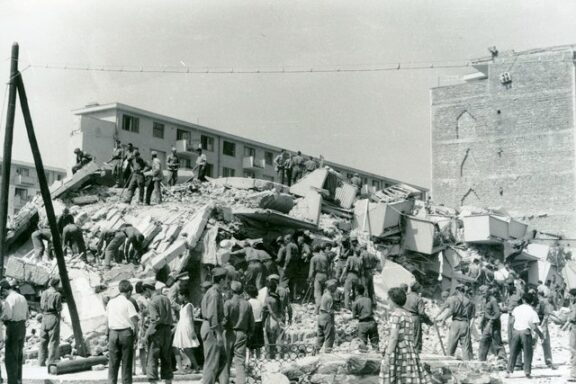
x,y
38,237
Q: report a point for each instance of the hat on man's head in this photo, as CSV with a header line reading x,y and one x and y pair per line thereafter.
x,y
153,153
273,277
236,287
54,281
4,284
77,150
207,284
218,271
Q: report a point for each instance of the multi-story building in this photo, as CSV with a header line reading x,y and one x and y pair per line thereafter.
x,y
97,126
505,137
24,184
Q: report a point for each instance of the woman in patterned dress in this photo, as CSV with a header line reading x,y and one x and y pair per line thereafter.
x,y
401,364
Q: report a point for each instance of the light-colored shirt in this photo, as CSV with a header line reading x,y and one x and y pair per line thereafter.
x,y
15,307
257,307
524,316
201,160
120,312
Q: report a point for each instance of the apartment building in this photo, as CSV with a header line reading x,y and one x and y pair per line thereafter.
x,y
96,126
24,183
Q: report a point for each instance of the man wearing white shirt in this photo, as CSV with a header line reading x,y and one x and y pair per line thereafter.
x,y
122,329
525,321
14,315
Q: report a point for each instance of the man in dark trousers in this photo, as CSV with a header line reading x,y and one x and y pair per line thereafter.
x,y
545,310
122,333
352,272
155,176
490,326
289,259
239,326
72,237
134,243
82,158
416,307
40,235
367,327
212,308
14,316
137,180
158,334
297,167
371,265
113,240
173,163
326,332
50,306
116,161
460,308
318,273
127,163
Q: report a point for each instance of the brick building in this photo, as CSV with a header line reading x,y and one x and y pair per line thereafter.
x,y
505,137
96,126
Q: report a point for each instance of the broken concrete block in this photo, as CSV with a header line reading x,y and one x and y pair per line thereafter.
x,y
345,195
487,229
516,229
278,202
422,236
170,254
81,219
75,181
309,207
85,200
31,273
314,180
380,219
193,230
100,214
147,258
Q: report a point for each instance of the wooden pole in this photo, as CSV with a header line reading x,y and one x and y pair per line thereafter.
x,y
7,161
56,241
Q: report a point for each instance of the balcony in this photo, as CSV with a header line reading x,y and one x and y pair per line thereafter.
x,y
251,162
184,148
25,180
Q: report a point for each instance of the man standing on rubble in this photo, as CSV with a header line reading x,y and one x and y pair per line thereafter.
x,y
490,326
239,326
326,333
82,158
318,274
416,307
279,165
137,180
461,310
173,163
212,308
127,164
371,265
158,334
14,316
201,164
353,271
277,310
367,327
288,259
356,181
297,167
50,306
155,183
545,310
116,161
310,165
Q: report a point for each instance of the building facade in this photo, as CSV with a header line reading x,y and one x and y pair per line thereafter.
x,y
24,184
505,137
96,127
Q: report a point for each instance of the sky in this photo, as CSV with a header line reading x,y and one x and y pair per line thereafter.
x,y
375,121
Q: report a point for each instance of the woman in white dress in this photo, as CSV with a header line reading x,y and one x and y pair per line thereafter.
x,y
185,339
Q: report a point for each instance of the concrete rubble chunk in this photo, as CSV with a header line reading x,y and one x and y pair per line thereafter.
x,y
176,249
84,200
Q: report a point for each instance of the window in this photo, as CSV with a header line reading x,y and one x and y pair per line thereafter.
x,y
130,123
207,143
23,172
249,151
229,149
269,178
183,135
158,130
21,193
269,158
376,184
59,177
186,162
228,172
209,170
349,175
249,174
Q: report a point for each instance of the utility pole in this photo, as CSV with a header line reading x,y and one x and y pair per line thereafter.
x,y
18,82
7,161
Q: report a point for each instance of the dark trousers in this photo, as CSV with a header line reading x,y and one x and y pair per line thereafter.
x,y
319,284
368,331
14,350
326,332
49,339
352,281
460,333
510,333
491,336
154,186
289,176
112,248
38,238
160,349
546,345
72,236
235,353
121,349
202,173
173,177
417,333
214,355
369,286
136,181
521,341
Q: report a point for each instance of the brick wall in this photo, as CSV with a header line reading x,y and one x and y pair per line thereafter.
x,y
510,146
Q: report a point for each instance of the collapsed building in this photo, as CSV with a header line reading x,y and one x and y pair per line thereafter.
x,y
415,239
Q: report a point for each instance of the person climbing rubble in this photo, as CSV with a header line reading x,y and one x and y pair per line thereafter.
x,y
38,237
326,332
137,180
73,239
82,158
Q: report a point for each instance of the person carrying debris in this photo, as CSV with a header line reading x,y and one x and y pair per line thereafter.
x,y
158,334
416,307
201,164
318,274
461,309
288,259
173,163
212,308
122,333
38,237
155,182
116,161
239,327
351,274
297,167
50,306
82,158
277,311
137,180
14,316
490,325
326,332
367,328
